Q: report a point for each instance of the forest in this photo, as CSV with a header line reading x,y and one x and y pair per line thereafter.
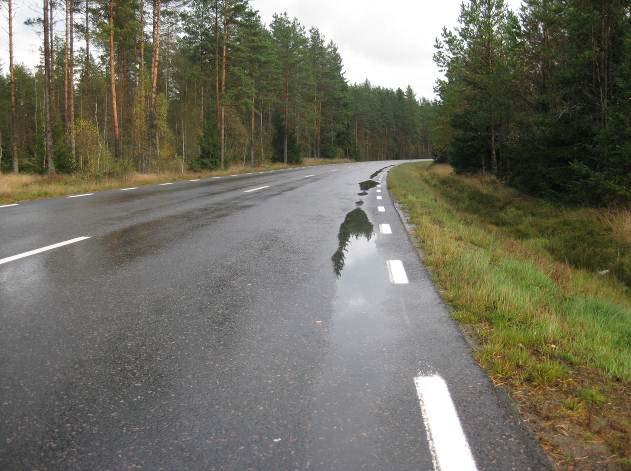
x,y
133,85
540,98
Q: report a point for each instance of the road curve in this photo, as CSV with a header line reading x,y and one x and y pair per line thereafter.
x,y
269,321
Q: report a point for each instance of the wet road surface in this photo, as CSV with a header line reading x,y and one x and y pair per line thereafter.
x,y
267,321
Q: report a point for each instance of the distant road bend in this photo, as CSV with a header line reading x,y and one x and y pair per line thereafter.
x,y
277,320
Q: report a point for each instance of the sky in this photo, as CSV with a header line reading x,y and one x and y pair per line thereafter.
x,y
390,42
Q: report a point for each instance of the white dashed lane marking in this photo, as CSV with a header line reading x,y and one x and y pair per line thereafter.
x,y
381,209
40,250
447,442
130,188
256,189
80,196
396,272
385,229
8,205
379,197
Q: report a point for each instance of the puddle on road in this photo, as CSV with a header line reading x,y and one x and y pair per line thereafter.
x,y
355,239
367,185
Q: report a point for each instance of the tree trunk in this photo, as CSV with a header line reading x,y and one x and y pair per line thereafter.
x,y
87,38
73,149
155,62
67,70
252,134
224,65
141,65
217,96
493,151
14,146
48,91
112,64
286,123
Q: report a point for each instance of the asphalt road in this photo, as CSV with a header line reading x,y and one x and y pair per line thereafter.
x,y
203,325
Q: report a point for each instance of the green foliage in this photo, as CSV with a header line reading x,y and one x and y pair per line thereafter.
x,y
542,100
209,146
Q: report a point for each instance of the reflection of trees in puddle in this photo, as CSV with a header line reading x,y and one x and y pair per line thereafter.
x,y
356,224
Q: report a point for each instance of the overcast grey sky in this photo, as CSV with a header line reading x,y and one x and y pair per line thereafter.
x,y
390,43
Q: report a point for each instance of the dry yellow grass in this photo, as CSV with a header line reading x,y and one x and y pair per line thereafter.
x,y
15,188
619,220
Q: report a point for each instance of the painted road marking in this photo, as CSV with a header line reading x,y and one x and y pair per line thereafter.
x,y
216,178
80,196
194,180
396,272
166,184
378,191
447,442
309,176
9,205
43,249
385,229
379,197
130,188
256,189
381,209
378,186
234,175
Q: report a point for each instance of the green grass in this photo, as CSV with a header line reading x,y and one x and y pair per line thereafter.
x,y
500,258
522,275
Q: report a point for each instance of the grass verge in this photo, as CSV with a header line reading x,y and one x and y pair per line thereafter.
x,y
21,187
543,291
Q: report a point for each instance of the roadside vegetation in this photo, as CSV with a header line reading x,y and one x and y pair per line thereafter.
x,y
543,291
20,187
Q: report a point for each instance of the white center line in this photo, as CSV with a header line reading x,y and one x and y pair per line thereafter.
x,y
8,205
385,229
234,175
447,442
309,176
378,191
379,197
194,180
256,189
216,178
381,209
80,196
166,184
130,188
378,186
43,249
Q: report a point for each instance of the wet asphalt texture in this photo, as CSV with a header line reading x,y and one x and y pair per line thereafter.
x,y
202,327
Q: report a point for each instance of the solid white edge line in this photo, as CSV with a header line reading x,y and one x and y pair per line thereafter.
x,y
40,250
79,196
130,188
385,229
447,442
396,272
9,205
381,209
256,189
